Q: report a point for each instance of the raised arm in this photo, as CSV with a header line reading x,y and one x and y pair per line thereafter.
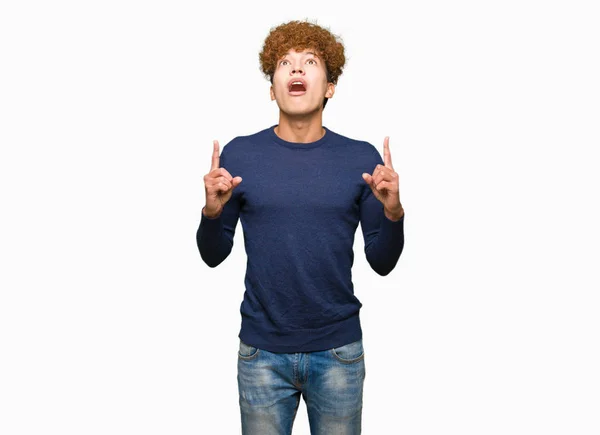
x,y
382,214
221,212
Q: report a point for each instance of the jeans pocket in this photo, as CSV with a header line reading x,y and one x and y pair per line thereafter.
x,y
247,351
349,353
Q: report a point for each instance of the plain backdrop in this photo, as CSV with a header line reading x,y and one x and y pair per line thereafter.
x,y
110,322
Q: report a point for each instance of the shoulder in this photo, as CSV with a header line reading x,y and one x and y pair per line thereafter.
x,y
241,149
358,147
242,143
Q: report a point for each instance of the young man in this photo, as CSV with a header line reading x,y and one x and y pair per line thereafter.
x,y
300,191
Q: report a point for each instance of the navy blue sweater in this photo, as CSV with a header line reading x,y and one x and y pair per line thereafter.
x,y
300,205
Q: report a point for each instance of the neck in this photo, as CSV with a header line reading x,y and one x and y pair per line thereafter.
x,y
305,129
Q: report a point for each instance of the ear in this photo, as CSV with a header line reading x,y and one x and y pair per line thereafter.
x,y
330,90
272,93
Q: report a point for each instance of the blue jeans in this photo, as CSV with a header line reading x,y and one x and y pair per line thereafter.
x,y
330,382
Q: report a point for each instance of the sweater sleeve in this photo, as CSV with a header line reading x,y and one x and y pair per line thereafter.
x,y
215,236
384,238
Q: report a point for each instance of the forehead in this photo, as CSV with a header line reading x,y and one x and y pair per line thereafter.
x,y
305,52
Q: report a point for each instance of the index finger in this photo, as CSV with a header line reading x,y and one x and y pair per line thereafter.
x,y
215,155
387,155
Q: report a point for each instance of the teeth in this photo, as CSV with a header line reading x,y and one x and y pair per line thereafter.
x,y
298,82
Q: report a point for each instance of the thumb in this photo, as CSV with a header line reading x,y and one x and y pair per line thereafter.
x,y
369,179
236,181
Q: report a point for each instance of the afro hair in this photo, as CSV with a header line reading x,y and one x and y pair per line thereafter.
x,y
302,35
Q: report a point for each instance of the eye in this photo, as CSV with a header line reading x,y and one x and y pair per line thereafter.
x,y
281,63
312,60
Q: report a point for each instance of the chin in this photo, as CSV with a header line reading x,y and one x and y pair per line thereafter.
x,y
296,111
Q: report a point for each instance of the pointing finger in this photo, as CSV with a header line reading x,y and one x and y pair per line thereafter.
x,y
215,155
387,155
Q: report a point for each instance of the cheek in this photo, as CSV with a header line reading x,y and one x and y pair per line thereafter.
x,y
279,90
279,86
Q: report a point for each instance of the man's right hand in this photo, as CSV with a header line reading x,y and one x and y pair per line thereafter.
x,y
218,185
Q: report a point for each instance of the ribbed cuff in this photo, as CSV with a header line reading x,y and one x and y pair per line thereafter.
x,y
211,224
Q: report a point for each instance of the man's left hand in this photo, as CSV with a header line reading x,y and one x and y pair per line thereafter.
x,y
385,184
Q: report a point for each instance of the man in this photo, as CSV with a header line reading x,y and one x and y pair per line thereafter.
x,y
300,191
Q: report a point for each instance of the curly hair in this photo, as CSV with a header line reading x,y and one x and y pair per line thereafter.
x,y
301,35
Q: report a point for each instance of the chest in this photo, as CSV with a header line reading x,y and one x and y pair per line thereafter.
x,y
302,185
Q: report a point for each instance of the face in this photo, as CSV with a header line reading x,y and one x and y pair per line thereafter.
x,y
300,99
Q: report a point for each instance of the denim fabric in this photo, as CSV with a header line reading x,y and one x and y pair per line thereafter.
x,y
330,382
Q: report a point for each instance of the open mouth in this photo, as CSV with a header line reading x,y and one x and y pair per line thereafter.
x,y
297,88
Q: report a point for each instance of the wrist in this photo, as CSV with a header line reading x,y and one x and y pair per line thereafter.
x,y
210,214
394,215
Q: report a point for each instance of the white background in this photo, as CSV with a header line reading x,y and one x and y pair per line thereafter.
x,y
110,323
